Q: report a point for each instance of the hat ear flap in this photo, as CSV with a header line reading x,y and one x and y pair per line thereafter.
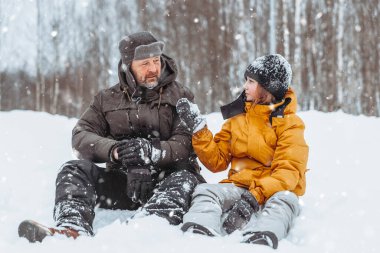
x,y
277,88
124,66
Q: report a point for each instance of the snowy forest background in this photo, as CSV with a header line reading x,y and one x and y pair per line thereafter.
x,y
55,55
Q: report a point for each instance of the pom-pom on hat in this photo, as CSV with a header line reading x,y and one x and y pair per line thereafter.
x,y
273,72
138,46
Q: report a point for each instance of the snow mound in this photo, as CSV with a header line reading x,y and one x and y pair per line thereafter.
x,y
340,208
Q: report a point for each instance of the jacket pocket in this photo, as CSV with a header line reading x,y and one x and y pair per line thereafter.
x,y
119,123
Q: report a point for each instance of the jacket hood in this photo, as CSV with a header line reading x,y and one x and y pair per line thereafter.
x,y
268,109
128,83
239,106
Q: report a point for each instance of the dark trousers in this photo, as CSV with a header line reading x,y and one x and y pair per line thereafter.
x,y
81,185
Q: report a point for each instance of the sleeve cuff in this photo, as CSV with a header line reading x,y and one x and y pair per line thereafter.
x,y
200,125
112,158
257,193
156,150
200,133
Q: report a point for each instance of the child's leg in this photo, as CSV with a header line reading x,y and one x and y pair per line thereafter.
x,y
277,215
209,202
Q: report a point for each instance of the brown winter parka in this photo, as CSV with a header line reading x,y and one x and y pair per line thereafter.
x,y
265,158
127,110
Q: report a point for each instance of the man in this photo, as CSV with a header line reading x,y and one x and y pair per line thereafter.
x,y
134,128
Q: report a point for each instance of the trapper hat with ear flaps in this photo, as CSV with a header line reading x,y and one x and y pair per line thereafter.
x,y
138,46
273,72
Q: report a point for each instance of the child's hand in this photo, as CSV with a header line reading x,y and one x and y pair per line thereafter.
x,y
189,114
241,212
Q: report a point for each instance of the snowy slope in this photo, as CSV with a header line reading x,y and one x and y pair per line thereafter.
x,y
340,208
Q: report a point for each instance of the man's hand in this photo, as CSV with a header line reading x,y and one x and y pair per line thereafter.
x,y
241,212
134,152
189,113
139,184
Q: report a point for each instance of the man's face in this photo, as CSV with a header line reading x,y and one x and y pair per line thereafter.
x,y
147,71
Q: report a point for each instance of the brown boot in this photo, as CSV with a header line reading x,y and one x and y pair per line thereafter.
x,y
36,232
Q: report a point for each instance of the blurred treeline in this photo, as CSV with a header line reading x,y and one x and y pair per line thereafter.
x,y
71,49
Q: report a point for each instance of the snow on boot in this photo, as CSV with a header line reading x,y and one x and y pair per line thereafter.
x,y
197,229
263,238
36,232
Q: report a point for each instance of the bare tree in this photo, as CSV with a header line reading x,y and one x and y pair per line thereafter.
x,y
333,47
56,34
272,27
370,63
40,82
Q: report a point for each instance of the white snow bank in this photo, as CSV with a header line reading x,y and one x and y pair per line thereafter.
x,y
340,208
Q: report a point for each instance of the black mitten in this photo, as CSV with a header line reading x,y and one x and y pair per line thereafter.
x,y
137,151
189,113
241,212
139,184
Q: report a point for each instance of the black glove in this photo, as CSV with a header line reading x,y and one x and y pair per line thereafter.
x,y
134,152
189,113
139,184
241,212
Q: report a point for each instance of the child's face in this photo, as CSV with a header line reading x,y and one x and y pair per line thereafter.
x,y
250,87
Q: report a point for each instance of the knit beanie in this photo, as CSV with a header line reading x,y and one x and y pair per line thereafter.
x,y
138,46
272,72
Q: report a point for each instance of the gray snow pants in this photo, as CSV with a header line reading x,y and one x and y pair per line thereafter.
x,y
211,203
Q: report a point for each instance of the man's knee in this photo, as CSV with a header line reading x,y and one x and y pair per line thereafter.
x,y
75,164
183,179
77,167
74,177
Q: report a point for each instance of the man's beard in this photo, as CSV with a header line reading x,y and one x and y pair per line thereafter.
x,y
149,84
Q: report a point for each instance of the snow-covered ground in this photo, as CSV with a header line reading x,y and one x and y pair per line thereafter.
x,y
340,208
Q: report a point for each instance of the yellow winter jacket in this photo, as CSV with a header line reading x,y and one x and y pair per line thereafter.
x,y
265,158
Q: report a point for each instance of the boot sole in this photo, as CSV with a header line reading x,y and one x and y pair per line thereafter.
x,y
33,231
259,238
196,229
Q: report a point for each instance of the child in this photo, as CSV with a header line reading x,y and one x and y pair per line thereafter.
x,y
263,142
